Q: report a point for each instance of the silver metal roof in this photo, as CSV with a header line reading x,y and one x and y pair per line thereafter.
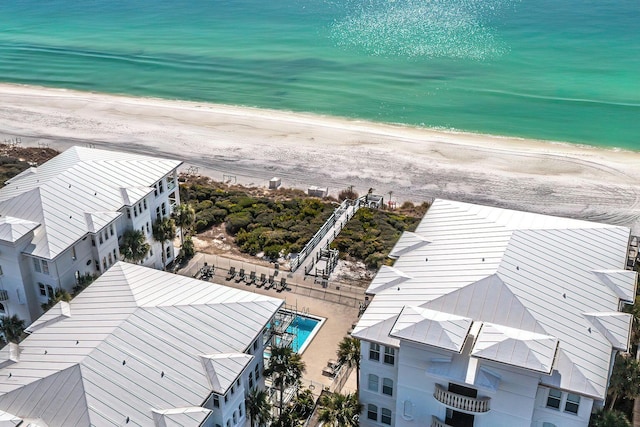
x,y
77,192
11,229
130,343
532,272
431,327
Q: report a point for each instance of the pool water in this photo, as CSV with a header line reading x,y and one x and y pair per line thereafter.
x,y
302,328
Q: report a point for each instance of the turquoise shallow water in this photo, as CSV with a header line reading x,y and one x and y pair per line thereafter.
x,y
567,71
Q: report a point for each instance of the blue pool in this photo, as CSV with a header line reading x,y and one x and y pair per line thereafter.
x,y
303,329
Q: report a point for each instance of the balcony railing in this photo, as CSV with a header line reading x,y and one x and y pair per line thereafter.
x,y
458,401
436,422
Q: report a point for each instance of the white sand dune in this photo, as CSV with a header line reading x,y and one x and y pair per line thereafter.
x,y
416,164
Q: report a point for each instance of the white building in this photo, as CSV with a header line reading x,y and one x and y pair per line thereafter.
x,y
491,317
63,220
139,347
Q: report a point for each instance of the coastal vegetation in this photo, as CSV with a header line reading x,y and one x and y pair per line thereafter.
x,y
371,234
276,225
15,159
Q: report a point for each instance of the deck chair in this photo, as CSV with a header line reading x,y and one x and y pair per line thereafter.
x,y
263,280
240,276
283,284
232,273
252,278
270,283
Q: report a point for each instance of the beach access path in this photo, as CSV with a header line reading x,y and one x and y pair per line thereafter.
x,y
254,145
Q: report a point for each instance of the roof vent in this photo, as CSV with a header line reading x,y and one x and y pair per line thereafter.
x,y
426,259
127,420
564,296
518,267
45,352
162,374
124,362
77,342
482,259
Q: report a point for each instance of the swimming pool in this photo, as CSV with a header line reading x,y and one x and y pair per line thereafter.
x,y
303,328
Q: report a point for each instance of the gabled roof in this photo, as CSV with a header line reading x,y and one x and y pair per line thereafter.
x,y
12,229
431,327
58,193
387,277
409,242
516,347
129,343
615,326
179,417
223,369
532,272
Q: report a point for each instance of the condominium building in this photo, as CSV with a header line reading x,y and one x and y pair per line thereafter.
x,y
492,317
139,347
63,219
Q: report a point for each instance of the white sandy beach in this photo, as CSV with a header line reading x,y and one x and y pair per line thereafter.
x,y
255,145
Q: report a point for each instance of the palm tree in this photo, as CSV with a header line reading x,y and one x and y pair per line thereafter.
x,y
58,295
134,246
184,217
609,419
258,407
349,355
164,230
285,369
625,379
339,410
12,328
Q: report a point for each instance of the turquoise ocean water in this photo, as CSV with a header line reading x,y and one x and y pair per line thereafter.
x,y
563,70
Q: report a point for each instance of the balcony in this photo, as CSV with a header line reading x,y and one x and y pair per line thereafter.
x,y
436,422
463,403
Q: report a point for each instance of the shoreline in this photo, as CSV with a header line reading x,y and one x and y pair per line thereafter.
x,y
252,145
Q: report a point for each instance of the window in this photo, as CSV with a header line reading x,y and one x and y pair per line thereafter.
x,y
168,252
387,386
226,398
129,213
111,229
255,345
73,253
257,371
216,401
106,235
372,412
100,239
158,213
135,211
389,355
43,289
238,382
374,351
110,259
97,264
155,191
50,292
147,227
164,208
104,262
144,202
235,417
93,241
572,403
240,410
114,254
386,416
45,267
36,265
1,308
228,423
553,401
373,383
250,380
160,187
232,390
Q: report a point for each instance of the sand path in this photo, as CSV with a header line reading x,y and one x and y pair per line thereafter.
x,y
416,164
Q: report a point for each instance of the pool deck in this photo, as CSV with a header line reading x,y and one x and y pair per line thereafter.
x,y
339,307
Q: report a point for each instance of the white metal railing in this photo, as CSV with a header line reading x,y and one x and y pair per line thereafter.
x,y
437,422
458,401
